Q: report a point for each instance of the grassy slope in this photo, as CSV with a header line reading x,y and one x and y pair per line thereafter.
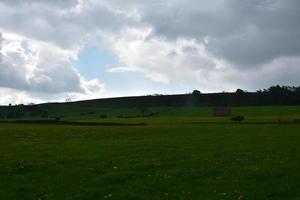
x,y
151,162
71,111
84,111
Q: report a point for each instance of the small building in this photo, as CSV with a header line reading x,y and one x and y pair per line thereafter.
x,y
222,111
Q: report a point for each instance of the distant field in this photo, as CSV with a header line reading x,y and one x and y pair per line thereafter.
x,y
156,161
188,115
70,111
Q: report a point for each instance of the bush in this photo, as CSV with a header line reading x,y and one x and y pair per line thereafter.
x,y
237,119
284,121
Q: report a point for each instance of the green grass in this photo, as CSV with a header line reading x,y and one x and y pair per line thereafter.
x,y
71,111
192,120
252,111
248,111
157,161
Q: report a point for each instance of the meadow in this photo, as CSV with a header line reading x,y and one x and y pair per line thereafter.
x,y
178,154
115,112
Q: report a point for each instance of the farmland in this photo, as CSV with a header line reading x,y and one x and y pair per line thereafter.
x,y
182,153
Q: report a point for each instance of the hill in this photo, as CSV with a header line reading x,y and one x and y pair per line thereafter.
x,y
157,104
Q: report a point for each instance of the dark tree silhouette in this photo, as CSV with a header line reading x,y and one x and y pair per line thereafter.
x,y
196,92
237,119
239,92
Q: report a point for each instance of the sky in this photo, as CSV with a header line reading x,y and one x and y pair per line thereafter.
x,y
52,50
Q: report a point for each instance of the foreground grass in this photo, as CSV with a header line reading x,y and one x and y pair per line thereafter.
x,y
228,161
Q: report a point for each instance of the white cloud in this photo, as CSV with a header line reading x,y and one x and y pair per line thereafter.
x,y
188,61
282,71
180,61
42,38
11,96
37,67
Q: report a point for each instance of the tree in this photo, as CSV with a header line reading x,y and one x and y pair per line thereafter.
x,y
239,92
196,92
237,119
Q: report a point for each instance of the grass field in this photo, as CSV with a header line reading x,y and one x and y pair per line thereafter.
x,y
156,161
248,111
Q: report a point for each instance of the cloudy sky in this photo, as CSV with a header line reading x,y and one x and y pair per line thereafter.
x,y
51,50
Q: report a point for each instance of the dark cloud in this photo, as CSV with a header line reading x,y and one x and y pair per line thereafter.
x,y
246,33
54,3
64,23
